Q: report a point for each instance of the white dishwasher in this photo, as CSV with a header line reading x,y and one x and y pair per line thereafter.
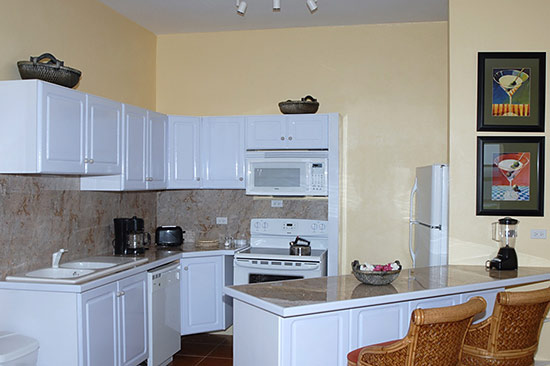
x,y
164,312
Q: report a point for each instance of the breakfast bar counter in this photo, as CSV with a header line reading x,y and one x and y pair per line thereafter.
x,y
318,321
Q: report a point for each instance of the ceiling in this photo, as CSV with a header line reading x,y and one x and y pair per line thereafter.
x,y
188,16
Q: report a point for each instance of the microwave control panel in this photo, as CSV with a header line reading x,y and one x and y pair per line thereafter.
x,y
318,177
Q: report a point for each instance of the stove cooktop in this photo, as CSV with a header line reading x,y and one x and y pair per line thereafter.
x,y
280,253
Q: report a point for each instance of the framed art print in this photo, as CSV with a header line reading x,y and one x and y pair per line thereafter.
x,y
511,91
510,176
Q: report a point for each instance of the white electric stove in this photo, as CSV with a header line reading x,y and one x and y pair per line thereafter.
x,y
269,259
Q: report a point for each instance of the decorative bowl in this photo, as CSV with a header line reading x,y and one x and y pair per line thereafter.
x,y
377,278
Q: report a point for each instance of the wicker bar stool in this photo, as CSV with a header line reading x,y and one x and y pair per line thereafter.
x,y
435,338
510,336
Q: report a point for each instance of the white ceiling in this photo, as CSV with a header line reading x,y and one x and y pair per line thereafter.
x,y
186,16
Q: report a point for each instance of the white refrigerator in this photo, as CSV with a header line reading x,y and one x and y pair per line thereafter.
x,y
429,216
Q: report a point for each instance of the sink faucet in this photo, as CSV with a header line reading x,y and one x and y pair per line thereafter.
x,y
56,257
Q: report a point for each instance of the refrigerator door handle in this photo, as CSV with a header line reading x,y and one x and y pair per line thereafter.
x,y
412,222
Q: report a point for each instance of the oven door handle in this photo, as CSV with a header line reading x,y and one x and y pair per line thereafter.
x,y
246,264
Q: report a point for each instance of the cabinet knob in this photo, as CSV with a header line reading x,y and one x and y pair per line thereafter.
x,y
186,268
91,161
120,293
198,178
289,138
241,179
86,161
282,138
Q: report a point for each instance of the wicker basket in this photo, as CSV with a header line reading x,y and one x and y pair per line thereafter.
x,y
308,104
377,278
52,71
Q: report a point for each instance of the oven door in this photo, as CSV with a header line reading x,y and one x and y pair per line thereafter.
x,y
247,271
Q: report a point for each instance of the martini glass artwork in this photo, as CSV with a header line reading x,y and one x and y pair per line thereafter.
x,y
510,81
510,165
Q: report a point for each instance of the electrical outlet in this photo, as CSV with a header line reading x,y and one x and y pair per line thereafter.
x,y
538,233
221,220
276,203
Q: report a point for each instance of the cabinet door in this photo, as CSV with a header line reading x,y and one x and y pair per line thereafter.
x,y
201,295
61,130
135,143
377,324
300,334
99,326
132,292
157,167
184,162
307,131
222,152
103,136
266,132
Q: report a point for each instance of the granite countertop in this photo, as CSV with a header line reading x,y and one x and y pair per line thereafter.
x,y
298,297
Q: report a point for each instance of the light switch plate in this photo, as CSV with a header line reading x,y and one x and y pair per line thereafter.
x,y
276,203
221,220
538,233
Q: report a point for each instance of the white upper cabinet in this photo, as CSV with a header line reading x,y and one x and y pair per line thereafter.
x,y
135,148
103,136
300,131
222,152
144,154
206,152
184,149
157,151
56,130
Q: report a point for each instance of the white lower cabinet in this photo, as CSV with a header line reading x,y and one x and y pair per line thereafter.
x,y
204,307
114,323
377,324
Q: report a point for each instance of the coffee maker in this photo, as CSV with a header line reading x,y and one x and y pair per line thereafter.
x,y
505,232
130,237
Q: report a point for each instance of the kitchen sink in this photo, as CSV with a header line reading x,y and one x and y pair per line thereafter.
x,y
87,265
59,273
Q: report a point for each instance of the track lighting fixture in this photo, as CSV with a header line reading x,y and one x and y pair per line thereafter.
x,y
312,5
241,7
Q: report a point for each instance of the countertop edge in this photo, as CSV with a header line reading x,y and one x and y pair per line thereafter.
x,y
82,287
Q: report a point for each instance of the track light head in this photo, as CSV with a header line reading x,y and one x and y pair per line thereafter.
x,y
312,5
241,7
276,5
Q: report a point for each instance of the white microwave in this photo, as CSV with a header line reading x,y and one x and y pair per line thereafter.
x,y
287,173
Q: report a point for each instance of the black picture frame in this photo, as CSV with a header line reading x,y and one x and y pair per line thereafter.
x,y
511,91
510,176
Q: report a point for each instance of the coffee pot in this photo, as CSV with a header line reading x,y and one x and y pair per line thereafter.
x,y
505,232
130,238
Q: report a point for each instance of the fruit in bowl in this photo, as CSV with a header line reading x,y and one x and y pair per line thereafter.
x,y
376,274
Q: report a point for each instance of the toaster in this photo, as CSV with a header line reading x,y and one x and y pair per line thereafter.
x,y
169,236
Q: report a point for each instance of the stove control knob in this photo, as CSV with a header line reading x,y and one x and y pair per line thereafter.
x,y
257,224
265,225
322,226
314,226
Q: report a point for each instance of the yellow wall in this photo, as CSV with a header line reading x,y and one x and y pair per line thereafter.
x,y
388,81
489,25
115,55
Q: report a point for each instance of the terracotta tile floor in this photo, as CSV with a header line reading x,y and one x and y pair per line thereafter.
x,y
205,350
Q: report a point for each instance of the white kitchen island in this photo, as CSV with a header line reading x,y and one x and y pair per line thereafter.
x,y
318,321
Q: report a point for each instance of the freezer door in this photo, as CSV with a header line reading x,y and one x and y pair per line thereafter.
x,y
430,246
431,197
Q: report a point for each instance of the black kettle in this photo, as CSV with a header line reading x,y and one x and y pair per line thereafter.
x,y
300,249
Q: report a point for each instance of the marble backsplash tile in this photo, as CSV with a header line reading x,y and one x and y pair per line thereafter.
x,y
196,211
42,214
